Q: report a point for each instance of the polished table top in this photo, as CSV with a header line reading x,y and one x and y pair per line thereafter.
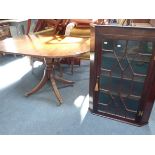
x,y
45,46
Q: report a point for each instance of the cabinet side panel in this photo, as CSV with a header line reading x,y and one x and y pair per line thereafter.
x,y
148,95
96,44
92,68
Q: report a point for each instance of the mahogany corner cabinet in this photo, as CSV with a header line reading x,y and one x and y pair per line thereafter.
x,y
122,73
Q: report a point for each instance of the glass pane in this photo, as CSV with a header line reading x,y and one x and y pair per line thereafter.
x,y
124,66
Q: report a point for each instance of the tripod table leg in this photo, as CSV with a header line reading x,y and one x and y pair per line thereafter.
x,y
55,90
39,86
64,81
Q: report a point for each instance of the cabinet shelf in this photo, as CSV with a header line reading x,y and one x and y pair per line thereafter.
x,y
121,86
134,78
132,97
136,68
139,57
115,115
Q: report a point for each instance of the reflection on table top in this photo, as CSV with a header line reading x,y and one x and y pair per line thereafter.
x,y
43,46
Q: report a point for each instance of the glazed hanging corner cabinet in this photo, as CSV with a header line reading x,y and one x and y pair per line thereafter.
x,y
122,73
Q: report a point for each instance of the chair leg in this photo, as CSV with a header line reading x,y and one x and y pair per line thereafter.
x,y
31,63
72,65
60,68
